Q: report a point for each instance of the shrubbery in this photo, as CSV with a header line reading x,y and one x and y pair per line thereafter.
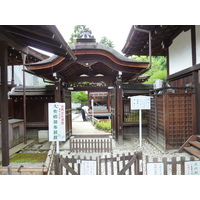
x,y
103,125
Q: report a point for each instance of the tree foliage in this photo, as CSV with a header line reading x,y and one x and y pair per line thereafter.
x,y
79,97
106,41
158,69
77,32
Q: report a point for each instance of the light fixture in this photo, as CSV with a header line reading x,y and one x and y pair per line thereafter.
x,y
70,88
110,87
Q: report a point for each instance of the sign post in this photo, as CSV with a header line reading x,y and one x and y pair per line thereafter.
x,y
57,128
140,103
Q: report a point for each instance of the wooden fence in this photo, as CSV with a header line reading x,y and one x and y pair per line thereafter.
x,y
172,119
45,170
119,165
173,166
91,145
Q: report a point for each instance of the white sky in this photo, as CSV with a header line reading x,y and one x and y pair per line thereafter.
x,y
116,33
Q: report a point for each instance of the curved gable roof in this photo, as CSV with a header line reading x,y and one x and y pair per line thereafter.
x,y
92,57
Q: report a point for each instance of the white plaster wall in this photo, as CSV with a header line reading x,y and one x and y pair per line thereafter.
x,y
180,53
197,44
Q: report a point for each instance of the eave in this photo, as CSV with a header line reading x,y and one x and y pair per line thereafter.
x,y
162,38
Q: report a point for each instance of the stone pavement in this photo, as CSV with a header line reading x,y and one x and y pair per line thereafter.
x,y
84,127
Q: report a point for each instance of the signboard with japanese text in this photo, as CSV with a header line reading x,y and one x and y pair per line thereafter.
x,y
192,168
155,169
57,127
88,167
140,102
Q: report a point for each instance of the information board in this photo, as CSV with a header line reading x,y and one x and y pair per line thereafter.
x,y
88,167
57,129
192,168
140,102
155,169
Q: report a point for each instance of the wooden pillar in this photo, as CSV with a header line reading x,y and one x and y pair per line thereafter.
x,y
57,91
4,103
119,110
24,97
196,78
108,101
12,79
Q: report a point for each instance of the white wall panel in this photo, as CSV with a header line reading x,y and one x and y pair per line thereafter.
x,y
198,44
180,53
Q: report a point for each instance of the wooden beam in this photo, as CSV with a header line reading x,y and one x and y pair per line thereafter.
x,y
89,88
4,103
13,41
92,79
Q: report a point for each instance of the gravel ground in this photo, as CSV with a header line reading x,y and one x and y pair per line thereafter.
x,y
131,145
147,149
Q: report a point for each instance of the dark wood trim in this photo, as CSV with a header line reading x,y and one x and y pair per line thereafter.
x,y
57,91
184,72
197,99
4,103
167,52
193,42
119,110
91,79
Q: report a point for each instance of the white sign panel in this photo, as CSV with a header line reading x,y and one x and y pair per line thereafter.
x,y
140,103
192,168
88,167
155,169
57,122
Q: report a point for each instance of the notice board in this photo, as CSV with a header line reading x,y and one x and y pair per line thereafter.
x,y
56,116
140,102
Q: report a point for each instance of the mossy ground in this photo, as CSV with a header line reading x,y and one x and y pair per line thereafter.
x,y
29,157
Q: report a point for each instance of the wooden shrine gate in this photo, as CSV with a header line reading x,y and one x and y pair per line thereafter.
x,y
118,165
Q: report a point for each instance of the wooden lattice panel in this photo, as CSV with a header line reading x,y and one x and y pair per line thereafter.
x,y
152,120
160,121
171,119
180,119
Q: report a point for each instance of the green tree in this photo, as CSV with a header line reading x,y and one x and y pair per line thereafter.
x,y
106,41
79,97
77,32
158,69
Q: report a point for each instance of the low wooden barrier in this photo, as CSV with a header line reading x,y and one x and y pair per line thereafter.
x,y
91,145
172,166
130,164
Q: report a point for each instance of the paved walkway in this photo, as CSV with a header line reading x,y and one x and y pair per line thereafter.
x,y
80,127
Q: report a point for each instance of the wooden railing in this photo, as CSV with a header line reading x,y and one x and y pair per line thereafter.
x,y
91,145
130,164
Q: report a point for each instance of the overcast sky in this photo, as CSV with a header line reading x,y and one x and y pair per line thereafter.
x,y
116,33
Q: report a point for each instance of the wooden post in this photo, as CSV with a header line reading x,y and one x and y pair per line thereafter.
x,y
4,103
57,164
108,101
119,110
24,97
57,91
139,163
